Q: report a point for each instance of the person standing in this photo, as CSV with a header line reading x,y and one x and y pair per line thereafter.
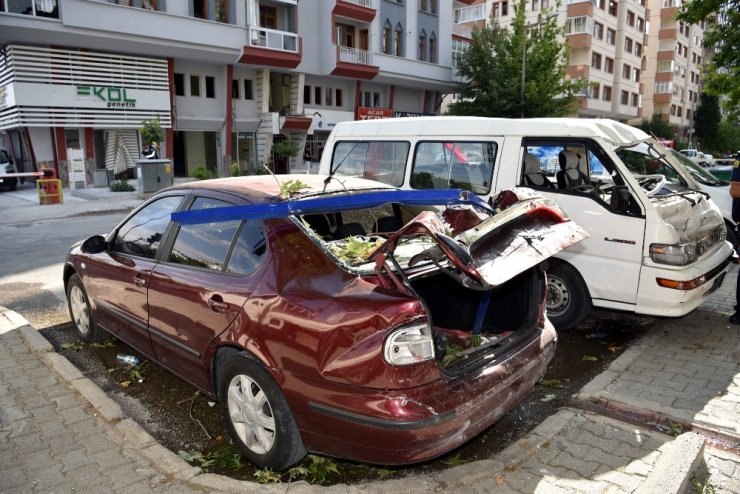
x,y
151,151
735,193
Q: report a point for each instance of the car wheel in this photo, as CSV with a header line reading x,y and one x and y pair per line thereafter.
x,y
257,416
80,312
568,300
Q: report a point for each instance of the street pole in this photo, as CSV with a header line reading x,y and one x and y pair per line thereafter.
x,y
524,62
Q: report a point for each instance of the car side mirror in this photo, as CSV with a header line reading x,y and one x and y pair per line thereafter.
x,y
93,245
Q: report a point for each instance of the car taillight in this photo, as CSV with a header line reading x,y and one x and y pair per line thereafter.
x,y
409,345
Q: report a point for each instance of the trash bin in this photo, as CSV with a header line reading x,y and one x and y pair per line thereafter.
x,y
49,188
154,175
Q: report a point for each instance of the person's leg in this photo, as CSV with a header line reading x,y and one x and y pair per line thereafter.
x,y
735,318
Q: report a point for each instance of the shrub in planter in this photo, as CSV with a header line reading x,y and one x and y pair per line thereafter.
x,y
202,173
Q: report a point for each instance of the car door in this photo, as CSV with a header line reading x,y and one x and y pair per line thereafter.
x,y
611,258
199,288
117,278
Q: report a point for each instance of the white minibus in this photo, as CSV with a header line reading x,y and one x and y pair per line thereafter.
x,y
656,246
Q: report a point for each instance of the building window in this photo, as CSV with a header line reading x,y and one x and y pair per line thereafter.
x,y
635,74
611,36
504,9
666,66
638,49
598,30
602,4
179,84
317,95
630,18
213,10
268,17
578,25
613,7
626,71
370,99
673,110
628,45
306,95
235,88
248,94
609,65
398,41
664,87
596,60
641,24
636,100
606,94
594,90
338,97
625,98
423,46
433,48
210,87
387,40
329,96
679,111
428,6
500,9
194,85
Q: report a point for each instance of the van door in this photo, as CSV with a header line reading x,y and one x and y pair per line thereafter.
x,y
590,189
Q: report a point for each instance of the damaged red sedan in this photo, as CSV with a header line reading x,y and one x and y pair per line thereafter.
x,y
344,318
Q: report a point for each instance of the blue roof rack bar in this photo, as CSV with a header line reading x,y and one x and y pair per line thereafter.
x,y
352,200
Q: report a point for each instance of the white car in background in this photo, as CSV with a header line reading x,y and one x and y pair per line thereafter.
x,y
698,157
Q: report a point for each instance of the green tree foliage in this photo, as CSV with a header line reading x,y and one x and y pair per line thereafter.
x,y
707,119
657,126
728,137
491,70
722,73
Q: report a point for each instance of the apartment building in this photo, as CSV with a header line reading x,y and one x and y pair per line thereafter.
x,y
637,58
226,78
675,57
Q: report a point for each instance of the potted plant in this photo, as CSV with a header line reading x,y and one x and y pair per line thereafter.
x,y
151,130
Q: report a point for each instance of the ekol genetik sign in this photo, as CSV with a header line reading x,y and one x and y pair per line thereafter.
x,y
113,97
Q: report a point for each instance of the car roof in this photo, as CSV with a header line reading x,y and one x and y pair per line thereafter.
x,y
264,188
611,131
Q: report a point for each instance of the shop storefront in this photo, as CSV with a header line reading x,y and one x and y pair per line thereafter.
x,y
56,99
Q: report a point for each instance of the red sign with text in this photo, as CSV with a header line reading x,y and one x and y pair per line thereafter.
x,y
366,113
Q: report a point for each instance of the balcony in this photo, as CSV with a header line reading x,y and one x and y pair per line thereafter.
x,y
470,14
354,62
361,10
272,48
462,31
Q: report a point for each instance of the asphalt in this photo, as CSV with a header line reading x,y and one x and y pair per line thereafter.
x,y
664,415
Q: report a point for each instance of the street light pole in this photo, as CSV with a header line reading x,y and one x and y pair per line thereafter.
x,y
524,62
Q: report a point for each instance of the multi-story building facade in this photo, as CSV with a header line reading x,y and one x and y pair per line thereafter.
x,y
226,78
675,57
634,54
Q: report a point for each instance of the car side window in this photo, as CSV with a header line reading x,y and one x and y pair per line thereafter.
x,y
142,234
454,165
204,245
250,249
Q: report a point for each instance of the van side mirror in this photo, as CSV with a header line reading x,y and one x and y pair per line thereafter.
x,y
93,245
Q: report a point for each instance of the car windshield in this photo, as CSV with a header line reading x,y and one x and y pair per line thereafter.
x,y
697,172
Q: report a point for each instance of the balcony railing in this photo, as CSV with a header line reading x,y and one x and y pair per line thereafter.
x,y
354,55
273,39
470,14
672,3
464,31
362,3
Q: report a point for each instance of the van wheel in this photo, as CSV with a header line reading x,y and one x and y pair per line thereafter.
x,y
257,416
568,300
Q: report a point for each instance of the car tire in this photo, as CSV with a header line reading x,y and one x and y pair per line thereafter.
x,y
568,300
257,415
80,311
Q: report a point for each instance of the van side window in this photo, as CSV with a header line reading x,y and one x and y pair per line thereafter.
x,y
453,165
384,161
581,168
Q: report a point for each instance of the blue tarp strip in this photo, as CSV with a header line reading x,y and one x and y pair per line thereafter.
x,y
340,202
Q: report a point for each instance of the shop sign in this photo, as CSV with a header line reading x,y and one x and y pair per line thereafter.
x,y
366,113
114,97
412,114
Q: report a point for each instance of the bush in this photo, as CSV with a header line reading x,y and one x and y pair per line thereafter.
x,y
122,186
202,173
235,170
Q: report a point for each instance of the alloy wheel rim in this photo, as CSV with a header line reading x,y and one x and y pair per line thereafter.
x,y
80,314
251,414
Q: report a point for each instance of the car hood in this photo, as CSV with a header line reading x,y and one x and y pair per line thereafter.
x,y
693,216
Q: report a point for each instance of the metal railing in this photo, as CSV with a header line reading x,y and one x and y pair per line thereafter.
x,y
273,39
354,55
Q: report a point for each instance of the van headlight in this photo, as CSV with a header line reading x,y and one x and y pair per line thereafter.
x,y
409,345
674,254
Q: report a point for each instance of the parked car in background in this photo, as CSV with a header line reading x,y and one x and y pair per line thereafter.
x,y
343,317
698,157
726,159
7,166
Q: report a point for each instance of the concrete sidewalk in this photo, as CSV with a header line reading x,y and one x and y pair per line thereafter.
x,y
59,432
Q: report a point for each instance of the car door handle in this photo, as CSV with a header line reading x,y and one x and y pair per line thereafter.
x,y
217,304
139,281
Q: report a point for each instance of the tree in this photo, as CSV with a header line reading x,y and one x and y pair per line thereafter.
x,y
657,126
707,119
728,137
722,73
491,69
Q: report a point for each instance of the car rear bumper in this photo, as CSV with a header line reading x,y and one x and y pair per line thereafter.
x,y
416,424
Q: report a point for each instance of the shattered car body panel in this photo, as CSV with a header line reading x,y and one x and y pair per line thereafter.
x,y
394,354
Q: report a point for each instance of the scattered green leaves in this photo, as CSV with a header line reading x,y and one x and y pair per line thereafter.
x,y
291,187
550,383
109,343
225,456
674,428
70,345
354,250
589,358
454,460
702,487
196,458
313,469
266,476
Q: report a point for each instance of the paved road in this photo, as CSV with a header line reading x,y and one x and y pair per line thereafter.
x,y
59,432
